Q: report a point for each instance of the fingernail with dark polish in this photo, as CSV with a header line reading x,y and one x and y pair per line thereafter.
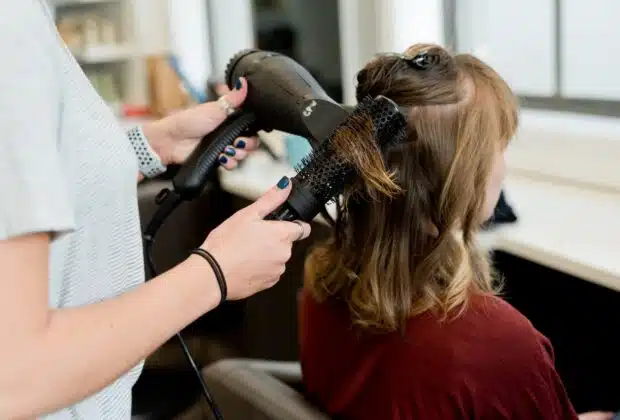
x,y
240,144
230,151
283,183
223,160
238,84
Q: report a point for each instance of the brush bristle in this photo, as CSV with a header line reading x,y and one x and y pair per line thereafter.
x,y
326,172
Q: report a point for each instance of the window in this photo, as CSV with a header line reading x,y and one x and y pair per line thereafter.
x,y
556,54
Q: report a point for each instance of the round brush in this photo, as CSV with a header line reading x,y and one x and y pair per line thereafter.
x,y
326,172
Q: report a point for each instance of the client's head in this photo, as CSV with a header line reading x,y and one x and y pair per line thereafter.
x,y
408,246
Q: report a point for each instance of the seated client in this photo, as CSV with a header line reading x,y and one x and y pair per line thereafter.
x,y
400,316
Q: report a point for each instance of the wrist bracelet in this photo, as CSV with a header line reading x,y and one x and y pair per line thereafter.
x,y
149,162
219,274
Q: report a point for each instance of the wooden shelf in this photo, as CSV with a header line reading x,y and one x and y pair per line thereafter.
x,y
113,38
64,3
105,53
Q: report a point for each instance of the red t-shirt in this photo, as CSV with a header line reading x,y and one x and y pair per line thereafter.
x,y
490,363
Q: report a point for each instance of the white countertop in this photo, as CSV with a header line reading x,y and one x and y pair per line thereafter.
x,y
567,228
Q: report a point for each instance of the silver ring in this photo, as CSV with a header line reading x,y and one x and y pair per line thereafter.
x,y
225,105
302,231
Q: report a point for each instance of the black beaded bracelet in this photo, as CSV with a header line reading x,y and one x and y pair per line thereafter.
x,y
217,270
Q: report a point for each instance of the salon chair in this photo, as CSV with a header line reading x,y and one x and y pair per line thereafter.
x,y
253,389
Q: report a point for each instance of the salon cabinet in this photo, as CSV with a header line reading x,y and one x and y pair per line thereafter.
x,y
582,320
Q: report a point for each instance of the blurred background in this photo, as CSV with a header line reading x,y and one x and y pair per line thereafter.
x,y
148,58
558,55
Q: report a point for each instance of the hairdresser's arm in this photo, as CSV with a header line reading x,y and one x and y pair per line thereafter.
x,y
174,137
54,358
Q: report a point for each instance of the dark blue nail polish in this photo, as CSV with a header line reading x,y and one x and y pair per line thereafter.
x,y
240,144
238,84
283,183
223,160
230,151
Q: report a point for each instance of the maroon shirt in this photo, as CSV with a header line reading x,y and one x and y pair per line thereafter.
x,y
490,363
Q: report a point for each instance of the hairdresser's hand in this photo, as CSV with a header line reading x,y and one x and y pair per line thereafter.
x,y
596,415
251,251
175,137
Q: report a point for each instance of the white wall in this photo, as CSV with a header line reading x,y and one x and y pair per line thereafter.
x,y
590,32
189,39
368,27
232,30
402,23
517,38
206,34
358,41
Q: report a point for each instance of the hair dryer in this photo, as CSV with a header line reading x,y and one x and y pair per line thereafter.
x,y
282,95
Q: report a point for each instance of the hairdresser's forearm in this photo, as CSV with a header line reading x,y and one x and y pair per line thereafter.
x,y
84,349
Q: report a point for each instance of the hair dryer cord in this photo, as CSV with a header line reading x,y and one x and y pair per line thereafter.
x,y
168,201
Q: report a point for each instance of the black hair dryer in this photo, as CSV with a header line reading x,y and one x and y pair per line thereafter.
x,y
282,95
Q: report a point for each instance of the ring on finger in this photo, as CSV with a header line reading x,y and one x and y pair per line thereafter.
x,y
302,230
226,105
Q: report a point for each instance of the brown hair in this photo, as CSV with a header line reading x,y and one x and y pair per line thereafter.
x,y
404,242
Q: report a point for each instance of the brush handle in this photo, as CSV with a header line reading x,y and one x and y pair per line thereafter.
x,y
283,213
193,175
300,205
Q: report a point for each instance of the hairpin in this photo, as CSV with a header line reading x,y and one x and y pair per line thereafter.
x,y
422,61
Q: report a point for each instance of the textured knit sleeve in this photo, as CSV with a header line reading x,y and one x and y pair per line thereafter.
x,y
33,191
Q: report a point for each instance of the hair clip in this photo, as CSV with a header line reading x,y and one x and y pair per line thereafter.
x,y
422,60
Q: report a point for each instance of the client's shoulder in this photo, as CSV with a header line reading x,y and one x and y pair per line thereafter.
x,y
332,312
491,309
488,333
486,319
503,322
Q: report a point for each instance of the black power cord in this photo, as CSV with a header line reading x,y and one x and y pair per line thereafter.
x,y
188,184
168,201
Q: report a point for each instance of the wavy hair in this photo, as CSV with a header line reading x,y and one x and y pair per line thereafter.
x,y
404,242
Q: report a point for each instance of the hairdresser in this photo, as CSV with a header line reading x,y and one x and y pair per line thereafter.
x,y
76,318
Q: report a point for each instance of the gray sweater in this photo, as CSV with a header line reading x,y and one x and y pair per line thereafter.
x,y
66,167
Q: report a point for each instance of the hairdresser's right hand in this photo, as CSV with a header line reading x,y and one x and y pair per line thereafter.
x,y
596,415
253,252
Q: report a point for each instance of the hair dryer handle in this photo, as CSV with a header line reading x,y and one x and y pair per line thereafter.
x,y
193,175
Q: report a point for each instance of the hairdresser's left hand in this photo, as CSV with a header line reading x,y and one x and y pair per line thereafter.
x,y
175,137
